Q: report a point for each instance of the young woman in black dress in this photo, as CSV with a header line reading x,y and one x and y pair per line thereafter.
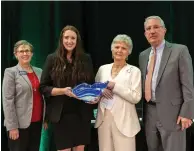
x,y
64,69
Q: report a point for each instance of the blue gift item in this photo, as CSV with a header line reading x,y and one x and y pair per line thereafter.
x,y
87,92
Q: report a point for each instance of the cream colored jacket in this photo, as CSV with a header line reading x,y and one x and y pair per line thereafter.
x,y
127,92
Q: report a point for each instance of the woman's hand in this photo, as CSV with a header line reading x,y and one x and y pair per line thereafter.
x,y
45,125
14,134
110,85
68,92
107,93
71,94
94,101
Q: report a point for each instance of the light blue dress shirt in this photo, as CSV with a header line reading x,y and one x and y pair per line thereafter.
x,y
159,52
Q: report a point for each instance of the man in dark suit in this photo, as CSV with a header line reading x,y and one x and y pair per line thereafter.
x,y
167,76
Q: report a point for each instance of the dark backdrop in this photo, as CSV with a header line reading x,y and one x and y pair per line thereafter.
x,y
98,22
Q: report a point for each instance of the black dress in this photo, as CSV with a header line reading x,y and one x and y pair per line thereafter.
x,y
70,117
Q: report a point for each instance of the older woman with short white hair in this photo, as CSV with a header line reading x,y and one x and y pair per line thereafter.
x,y
117,119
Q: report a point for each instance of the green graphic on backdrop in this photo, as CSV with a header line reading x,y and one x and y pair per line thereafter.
x,y
45,140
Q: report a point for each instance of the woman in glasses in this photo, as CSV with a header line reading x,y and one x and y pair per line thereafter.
x,y
22,102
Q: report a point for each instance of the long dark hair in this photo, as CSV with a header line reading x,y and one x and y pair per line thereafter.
x,y
60,61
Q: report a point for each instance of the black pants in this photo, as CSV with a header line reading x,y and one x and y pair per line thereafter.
x,y
29,138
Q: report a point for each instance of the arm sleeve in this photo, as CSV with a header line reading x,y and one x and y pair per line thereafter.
x,y
132,92
8,92
186,79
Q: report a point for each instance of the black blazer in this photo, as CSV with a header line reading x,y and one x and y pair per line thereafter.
x,y
54,104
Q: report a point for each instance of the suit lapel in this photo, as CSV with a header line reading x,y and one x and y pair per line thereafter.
x,y
38,74
24,76
165,56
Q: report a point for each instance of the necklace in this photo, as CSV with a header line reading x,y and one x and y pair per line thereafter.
x,y
116,69
31,72
35,82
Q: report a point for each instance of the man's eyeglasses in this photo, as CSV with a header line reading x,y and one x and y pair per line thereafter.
x,y
24,51
155,28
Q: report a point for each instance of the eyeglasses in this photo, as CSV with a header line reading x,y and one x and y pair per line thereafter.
x,y
155,28
24,51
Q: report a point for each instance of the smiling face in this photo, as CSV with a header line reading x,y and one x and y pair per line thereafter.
x,y
120,51
154,32
69,40
24,54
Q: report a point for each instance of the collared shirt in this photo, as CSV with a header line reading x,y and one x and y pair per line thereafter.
x,y
159,52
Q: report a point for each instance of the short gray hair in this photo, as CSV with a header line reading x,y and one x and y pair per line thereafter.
x,y
154,17
123,38
22,42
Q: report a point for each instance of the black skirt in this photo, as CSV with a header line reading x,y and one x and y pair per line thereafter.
x,y
71,131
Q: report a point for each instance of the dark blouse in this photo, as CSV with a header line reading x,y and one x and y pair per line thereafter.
x,y
70,105
62,104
